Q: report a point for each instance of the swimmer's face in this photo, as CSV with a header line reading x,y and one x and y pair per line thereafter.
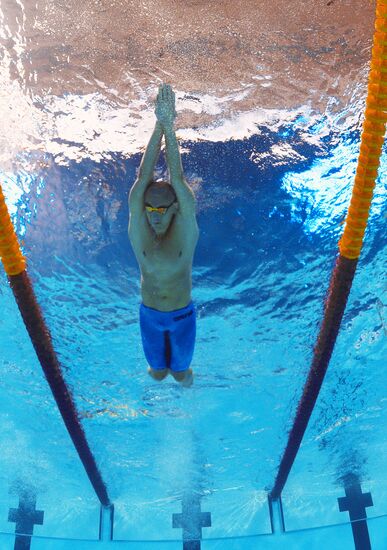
x,y
160,198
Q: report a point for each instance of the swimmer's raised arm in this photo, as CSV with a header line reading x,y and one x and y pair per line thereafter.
x,y
166,113
148,163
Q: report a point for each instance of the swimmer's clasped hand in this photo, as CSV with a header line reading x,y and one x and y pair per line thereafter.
x,y
165,105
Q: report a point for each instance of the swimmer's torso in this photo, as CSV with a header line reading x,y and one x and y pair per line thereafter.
x,y
166,265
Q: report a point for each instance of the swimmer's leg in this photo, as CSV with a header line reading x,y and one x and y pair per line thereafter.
x,y
183,335
158,374
184,377
154,343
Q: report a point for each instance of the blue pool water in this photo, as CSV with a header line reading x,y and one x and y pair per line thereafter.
x,y
269,124
268,242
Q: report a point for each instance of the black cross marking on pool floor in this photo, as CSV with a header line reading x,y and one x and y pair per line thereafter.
x,y
25,517
191,520
355,502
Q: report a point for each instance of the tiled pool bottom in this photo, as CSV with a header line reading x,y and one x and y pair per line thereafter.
x,y
335,537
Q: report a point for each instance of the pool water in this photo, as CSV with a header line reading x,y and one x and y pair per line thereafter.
x,y
272,173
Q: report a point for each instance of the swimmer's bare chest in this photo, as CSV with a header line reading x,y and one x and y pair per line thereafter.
x,y
166,269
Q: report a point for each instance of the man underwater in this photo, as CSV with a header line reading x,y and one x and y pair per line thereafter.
x,y
163,233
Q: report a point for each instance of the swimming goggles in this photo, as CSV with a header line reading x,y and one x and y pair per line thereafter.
x,y
159,209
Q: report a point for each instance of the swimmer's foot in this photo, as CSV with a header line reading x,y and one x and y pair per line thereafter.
x,y
188,380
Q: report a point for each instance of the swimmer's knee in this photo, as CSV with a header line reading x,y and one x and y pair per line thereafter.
x,y
179,375
182,376
158,374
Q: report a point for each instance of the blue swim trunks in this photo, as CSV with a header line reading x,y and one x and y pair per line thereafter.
x,y
168,337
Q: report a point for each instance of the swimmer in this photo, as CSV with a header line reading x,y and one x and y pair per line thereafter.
x,y
163,233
